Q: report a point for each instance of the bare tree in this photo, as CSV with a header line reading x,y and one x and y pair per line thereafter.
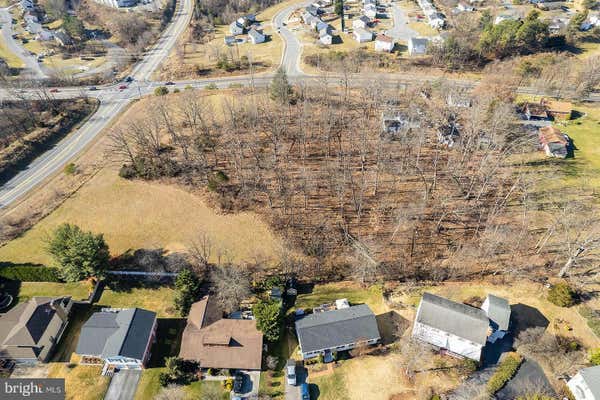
x,y
231,286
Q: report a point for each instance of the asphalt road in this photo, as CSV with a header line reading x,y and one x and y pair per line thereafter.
x,y
290,60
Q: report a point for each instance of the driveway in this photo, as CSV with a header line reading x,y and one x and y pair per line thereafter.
x,y
293,392
123,385
250,390
529,378
400,31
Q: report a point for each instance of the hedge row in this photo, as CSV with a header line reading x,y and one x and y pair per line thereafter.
x,y
506,370
593,319
27,273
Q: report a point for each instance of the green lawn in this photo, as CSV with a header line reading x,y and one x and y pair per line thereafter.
x,y
27,290
82,382
157,298
149,386
355,294
329,387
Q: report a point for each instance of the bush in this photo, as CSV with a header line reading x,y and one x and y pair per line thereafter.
x,y
70,169
161,91
506,370
127,172
562,295
211,86
26,273
593,319
595,356
176,90
227,384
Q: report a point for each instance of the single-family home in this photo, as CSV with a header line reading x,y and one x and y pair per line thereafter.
x,y
370,10
556,26
535,111
325,36
321,25
217,342
235,28
44,35
448,134
29,17
229,40
29,331
585,385
417,46
326,332
395,122
246,20
26,5
594,18
384,43
455,327
557,109
465,7
504,17
363,35
62,38
255,36
33,27
550,5
119,338
436,20
312,10
497,310
554,142
362,22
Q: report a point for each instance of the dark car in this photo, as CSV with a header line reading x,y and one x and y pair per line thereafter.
x,y
53,90
93,88
122,87
169,83
129,79
238,383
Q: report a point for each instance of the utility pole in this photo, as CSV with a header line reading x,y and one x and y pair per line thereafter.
x,y
343,22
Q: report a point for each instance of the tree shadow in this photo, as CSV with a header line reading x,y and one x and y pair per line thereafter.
x,y
314,390
524,317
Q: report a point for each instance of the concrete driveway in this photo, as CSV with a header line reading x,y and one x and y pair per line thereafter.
x,y
123,385
400,31
293,392
251,383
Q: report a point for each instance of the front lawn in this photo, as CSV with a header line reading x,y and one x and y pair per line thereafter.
x,y
82,382
149,386
355,294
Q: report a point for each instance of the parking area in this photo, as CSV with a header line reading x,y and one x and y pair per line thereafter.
x,y
293,392
123,384
251,383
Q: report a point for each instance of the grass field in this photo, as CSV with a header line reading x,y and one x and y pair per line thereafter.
x,y
77,290
11,58
149,386
328,293
158,299
82,382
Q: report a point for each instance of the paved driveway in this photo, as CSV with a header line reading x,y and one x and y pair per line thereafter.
x,y
400,31
123,385
529,377
251,383
293,392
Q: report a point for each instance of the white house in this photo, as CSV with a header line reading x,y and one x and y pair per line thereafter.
x,y
229,40
255,36
321,25
384,43
503,17
586,384
44,35
325,37
370,10
235,28
436,21
497,310
361,22
455,327
417,46
465,7
594,19
363,35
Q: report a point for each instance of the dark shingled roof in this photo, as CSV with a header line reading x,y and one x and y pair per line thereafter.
x,y
329,329
117,333
459,319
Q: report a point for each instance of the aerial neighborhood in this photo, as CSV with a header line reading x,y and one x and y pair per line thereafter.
x,y
300,200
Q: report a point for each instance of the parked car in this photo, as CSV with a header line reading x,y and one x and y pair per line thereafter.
x,y
238,383
92,88
291,372
169,83
305,393
122,87
129,79
53,90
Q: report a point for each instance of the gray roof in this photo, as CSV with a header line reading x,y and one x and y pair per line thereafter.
x,y
458,319
117,333
591,376
499,312
329,329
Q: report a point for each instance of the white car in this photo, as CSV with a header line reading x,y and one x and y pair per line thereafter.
x,y
290,369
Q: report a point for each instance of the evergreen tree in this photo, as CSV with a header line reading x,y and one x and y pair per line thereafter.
x,y
280,88
187,286
269,319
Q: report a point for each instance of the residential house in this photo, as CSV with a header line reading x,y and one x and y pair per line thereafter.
x,y
384,43
34,27
448,134
585,385
417,46
370,10
30,331
550,5
363,35
26,5
504,17
325,36
457,328
312,10
62,38
554,142
465,7
255,36
326,332
44,35
594,18
235,28
535,111
436,21
229,40
362,22
321,26
556,26
557,109
216,342
395,122
246,20
497,310
119,338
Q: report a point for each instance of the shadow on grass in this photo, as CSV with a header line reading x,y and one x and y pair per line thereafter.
x,y
168,340
67,345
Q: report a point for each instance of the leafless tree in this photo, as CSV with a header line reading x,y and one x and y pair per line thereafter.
x,y
231,286
172,392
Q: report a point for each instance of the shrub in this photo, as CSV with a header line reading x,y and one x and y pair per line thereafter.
x,y
562,295
127,172
161,91
593,319
188,87
211,86
176,90
595,356
435,397
506,370
31,273
227,384
70,169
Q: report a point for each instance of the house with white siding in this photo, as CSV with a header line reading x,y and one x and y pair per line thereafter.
x,y
497,310
586,384
363,35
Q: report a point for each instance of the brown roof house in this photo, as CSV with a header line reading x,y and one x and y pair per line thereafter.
x,y
29,332
216,342
554,142
557,109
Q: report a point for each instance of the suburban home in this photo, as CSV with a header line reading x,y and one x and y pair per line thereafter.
x,y
535,111
465,7
460,329
361,22
255,36
556,26
417,46
384,43
325,36
118,338
497,310
436,21
504,17
246,20
29,331
322,25
586,384
62,38
229,40
235,28
448,134
336,329
363,35
216,342
370,10
395,122
554,142
26,5
557,109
